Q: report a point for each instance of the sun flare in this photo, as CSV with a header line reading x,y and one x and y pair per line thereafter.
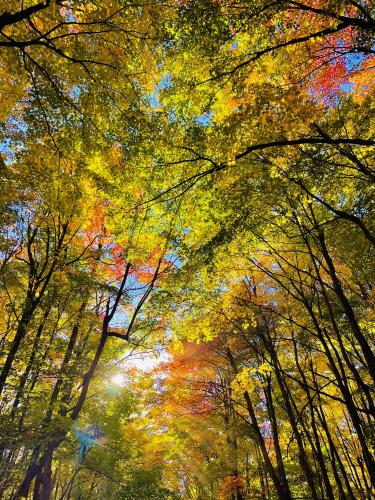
x,y
118,379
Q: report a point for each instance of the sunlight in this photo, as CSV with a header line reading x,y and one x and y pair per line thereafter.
x,y
186,239
118,379
148,362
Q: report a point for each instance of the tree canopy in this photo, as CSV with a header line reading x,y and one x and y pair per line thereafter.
x,y
186,250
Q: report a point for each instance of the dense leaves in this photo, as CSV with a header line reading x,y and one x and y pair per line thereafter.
x,y
186,250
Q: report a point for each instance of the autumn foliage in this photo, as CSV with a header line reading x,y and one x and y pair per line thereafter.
x,y
186,250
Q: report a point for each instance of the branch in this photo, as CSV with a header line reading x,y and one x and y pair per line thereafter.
x,y
7,18
293,41
257,147
117,335
307,140
110,315
349,21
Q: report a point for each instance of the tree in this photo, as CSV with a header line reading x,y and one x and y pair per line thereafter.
x,y
192,180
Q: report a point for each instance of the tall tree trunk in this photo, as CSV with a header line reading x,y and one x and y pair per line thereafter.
x,y
282,492
369,460
275,436
309,476
347,308
317,448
